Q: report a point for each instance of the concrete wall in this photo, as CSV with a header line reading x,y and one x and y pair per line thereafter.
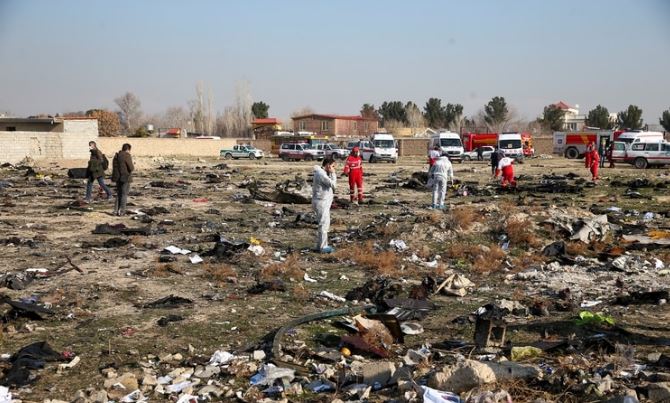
x,y
15,146
156,147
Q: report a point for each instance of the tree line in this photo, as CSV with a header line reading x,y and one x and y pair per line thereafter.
x,y
599,117
197,117
235,120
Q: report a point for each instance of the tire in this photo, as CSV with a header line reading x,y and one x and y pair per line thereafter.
x,y
571,153
252,156
467,158
283,157
308,157
372,159
228,156
641,163
394,161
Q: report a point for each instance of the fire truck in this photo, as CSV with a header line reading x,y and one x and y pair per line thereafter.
x,y
573,144
473,140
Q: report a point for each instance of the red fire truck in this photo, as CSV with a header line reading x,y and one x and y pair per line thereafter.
x,y
573,144
473,140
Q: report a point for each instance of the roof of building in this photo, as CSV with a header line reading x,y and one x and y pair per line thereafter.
x,y
265,121
563,105
331,116
29,120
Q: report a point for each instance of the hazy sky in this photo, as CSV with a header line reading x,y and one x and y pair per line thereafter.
x,y
68,55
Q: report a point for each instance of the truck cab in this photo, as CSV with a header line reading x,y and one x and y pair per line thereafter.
x,y
511,145
450,143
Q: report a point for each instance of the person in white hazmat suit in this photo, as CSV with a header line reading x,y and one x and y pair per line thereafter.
x,y
441,173
323,191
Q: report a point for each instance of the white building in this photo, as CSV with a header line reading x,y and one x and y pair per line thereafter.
x,y
572,120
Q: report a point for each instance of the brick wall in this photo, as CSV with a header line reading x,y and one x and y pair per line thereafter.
x,y
265,145
162,147
543,145
413,147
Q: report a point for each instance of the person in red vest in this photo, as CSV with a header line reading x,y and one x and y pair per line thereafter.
x,y
594,160
587,155
505,166
353,167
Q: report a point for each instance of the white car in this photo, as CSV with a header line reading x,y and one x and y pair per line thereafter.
x,y
472,155
333,150
642,155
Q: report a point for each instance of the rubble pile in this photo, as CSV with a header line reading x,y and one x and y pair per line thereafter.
x,y
208,290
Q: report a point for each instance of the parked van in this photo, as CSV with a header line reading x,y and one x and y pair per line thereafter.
x,y
511,145
640,136
380,147
450,143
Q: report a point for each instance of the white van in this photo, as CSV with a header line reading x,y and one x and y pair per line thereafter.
x,y
380,147
450,143
511,145
640,137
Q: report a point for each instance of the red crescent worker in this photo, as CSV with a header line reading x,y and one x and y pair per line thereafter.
x,y
587,155
353,167
595,163
505,166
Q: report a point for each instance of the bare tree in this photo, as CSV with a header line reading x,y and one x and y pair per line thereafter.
x,y
131,111
210,116
415,118
174,116
235,121
197,109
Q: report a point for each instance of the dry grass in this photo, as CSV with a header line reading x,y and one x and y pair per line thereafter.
x,y
463,217
490,261
382,263
290,268
390,230
219,273
520,233
482,260
576,248
300,294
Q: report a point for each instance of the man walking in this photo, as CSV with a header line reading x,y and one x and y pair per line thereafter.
x,y
441,172
97,165
122,170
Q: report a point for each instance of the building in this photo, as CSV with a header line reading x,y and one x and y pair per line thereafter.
x,y
335,125
46,138
264,128
572,120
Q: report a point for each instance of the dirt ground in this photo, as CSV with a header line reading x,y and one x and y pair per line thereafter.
x,y
98,313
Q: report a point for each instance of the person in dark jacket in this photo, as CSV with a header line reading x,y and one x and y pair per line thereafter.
x,y
122,172
97,165
496,156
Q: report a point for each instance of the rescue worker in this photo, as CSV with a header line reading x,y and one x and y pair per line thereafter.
x,y
496,156
594,160
587,155
441,172
353,167
610,155
480,154
323,190
433,155
122,170
97,165
506,167
601,152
